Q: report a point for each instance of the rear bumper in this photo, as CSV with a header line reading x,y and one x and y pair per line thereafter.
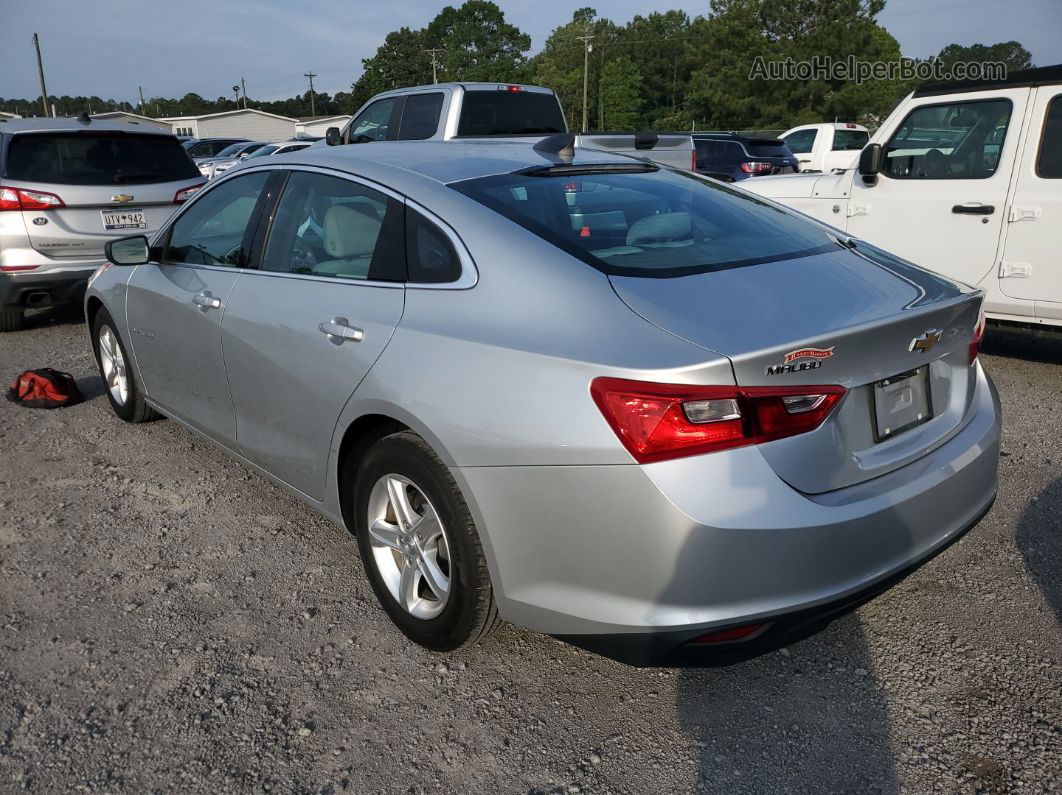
x,y
29,289
665,552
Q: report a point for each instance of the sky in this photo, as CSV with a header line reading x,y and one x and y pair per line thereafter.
x,y
108,48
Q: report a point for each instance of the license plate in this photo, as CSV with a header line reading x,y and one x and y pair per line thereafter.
x,y
901,403
123,219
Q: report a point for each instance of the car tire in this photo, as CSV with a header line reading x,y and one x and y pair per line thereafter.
x,y
12,319
403,463
124,393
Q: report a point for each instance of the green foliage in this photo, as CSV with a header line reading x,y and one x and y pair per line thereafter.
x,y
621,94
1011,53
662,71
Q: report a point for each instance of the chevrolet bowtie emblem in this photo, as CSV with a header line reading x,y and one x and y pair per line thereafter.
x,y
926,340
121,198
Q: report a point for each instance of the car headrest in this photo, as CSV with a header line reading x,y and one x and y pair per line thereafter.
x,y
662,228
349,232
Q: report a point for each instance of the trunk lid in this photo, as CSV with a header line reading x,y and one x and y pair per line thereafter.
x,y
847,317
111,184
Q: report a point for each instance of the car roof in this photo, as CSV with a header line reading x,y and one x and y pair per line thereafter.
x,y
42,124
440,161
468,86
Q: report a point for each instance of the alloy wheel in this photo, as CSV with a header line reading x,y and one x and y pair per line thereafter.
x,y
409,546
112,364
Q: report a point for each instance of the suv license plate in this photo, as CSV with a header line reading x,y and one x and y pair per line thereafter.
x,y
113,220
901,403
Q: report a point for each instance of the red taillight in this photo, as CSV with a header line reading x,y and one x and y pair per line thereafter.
x,y
724,635
14,268
25,199
511,89
978,336
184,194
756,168
656,422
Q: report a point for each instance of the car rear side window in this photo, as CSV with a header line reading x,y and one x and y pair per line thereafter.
x,y
501,112
657,223
420,117
849,140
97,159
1049,163
767,147
429,252
328,226
213,229
801,142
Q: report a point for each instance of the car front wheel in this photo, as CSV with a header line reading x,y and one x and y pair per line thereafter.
x,y
420,547
123,391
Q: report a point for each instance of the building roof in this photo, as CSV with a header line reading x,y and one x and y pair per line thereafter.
x,y
7,115
308,119
121,114
202,116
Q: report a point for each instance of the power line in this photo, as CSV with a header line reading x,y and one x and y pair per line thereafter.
x,y
313,109
433,52
40,71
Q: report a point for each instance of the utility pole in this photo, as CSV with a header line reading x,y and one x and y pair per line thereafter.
x,y
236,93
434,63
142,111
313,108
243,88
587,49
40,71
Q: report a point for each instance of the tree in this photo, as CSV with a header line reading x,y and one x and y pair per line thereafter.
x,y
478,44
1011,53
400,61
621,94
662,47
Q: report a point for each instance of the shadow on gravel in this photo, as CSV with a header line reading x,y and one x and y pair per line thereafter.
x,y
91,387
60,314
1028,344
1040,541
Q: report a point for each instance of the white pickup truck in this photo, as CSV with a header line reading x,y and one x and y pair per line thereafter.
x,y
964,179
494,111
826,147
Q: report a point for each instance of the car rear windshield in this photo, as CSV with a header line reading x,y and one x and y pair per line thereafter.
x,y
655,223
97,159
767,147
499,112
850,140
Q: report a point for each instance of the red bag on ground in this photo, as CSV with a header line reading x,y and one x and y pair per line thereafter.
x,y
44,389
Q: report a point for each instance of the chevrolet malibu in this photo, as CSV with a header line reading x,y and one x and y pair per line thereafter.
x,y
644,412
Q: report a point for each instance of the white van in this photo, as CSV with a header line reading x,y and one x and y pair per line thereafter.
x,y
826,147
964,179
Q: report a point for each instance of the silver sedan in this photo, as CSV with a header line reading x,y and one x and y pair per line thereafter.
x,y
631,407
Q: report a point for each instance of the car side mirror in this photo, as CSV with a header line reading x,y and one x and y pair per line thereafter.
x,y
131,250
333,137
870,163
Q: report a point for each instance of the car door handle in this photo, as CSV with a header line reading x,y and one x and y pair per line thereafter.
x,y
973,209
206,301
338,330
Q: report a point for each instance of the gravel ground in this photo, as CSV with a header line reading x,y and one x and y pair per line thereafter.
x,y
169,621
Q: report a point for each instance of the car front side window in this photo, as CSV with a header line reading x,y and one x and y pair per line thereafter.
x,y
374,123
213,229
801,142
329,226
957,140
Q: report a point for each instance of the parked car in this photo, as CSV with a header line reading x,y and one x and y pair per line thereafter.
x,y
965,179
233,153
731,157
221,166
599,398
463,111
209,147
826,147
67,186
